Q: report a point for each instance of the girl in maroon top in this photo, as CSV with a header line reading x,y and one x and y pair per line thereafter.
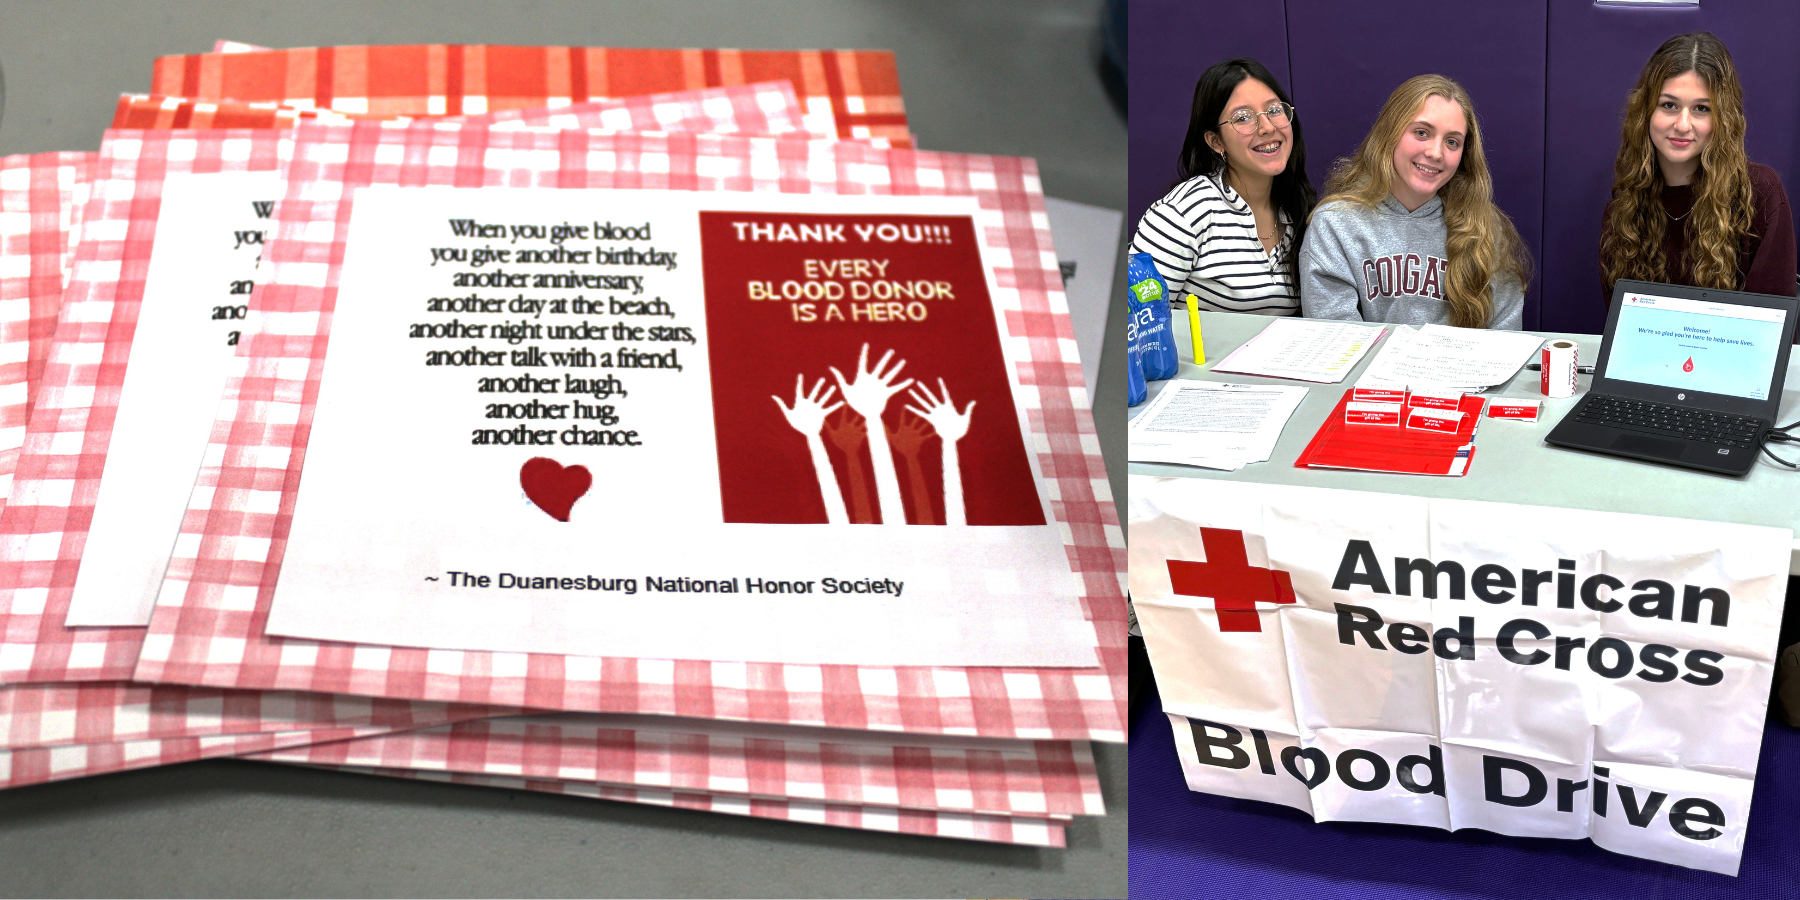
x,y
1687,206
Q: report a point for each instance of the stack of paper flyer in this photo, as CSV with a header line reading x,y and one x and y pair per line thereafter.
x,y
646,425
1213,425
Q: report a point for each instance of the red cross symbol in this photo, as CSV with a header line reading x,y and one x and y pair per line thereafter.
x,y
1230,580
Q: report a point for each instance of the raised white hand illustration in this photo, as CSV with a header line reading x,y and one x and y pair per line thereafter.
x,y
950,426
807,416
869,395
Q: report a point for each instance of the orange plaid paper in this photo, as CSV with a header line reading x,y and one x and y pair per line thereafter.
x,y
858,89
149,111
765,108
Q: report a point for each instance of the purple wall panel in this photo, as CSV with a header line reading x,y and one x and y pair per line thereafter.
x,y
1172,42
1346,58
1595,54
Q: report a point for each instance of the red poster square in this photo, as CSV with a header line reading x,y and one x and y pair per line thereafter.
x,y
782,307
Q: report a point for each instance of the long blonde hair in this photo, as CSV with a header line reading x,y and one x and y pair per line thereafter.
x,y
1631,238
1479,239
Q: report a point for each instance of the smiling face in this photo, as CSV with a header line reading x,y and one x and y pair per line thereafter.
x,y
1680,126
1430,149
1261,154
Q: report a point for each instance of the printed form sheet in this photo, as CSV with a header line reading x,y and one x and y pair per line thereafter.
x,y
1303,350
1213,425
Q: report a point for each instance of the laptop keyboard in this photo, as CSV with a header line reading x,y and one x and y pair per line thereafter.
x,y
1673,421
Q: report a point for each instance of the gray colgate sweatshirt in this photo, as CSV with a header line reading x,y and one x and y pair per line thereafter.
x,y
1387,265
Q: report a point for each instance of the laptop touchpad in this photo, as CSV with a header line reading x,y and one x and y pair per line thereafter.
x,y
1648,446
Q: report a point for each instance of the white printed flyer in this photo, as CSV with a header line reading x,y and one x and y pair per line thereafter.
x,y
209,234
674,424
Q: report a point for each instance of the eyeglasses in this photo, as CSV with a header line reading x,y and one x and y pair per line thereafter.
x,y
1244,121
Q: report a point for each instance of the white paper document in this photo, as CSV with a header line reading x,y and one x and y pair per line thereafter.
x,y
1213,425
677,425
208,239
1303,350
1439,355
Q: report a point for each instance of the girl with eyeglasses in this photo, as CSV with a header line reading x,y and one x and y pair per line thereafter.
x,y
1227,231
1687,206
1408,231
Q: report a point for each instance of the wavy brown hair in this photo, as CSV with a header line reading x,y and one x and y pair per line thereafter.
x,y
1479,239
1631,238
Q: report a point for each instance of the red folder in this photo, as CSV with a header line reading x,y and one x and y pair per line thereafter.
x,y
1404,450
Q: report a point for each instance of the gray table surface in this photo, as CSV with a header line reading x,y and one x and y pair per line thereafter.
x,y
1512,463
1007,78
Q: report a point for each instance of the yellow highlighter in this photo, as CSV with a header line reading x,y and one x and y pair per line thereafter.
x,y
1194,329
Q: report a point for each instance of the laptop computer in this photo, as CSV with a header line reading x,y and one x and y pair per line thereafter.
x,y
1686,376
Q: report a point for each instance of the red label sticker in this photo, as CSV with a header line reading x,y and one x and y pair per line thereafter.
x,y
1378,395
1372,413
1524,411
1433,400
1432,420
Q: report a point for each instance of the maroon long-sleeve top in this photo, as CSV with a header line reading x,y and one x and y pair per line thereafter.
x,y
1765,255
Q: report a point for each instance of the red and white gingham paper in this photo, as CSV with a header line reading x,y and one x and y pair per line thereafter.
x,y
44,715
72,438
37,201
1037,778
859,89
75,204
1001,829
208,625
88,363
44,524
37,765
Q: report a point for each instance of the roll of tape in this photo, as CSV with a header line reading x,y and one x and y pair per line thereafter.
x,y
1558,364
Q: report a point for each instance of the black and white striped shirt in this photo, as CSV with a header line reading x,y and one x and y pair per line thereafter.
x,y
1202,237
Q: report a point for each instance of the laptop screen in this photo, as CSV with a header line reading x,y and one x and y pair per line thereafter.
x,y
1719,348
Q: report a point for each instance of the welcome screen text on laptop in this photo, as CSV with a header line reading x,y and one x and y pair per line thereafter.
x,y
1719,348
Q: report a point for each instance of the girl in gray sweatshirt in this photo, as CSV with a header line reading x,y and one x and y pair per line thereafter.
x,y
1408,232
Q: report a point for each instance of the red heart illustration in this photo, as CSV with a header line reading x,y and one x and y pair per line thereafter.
x,y
554,488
